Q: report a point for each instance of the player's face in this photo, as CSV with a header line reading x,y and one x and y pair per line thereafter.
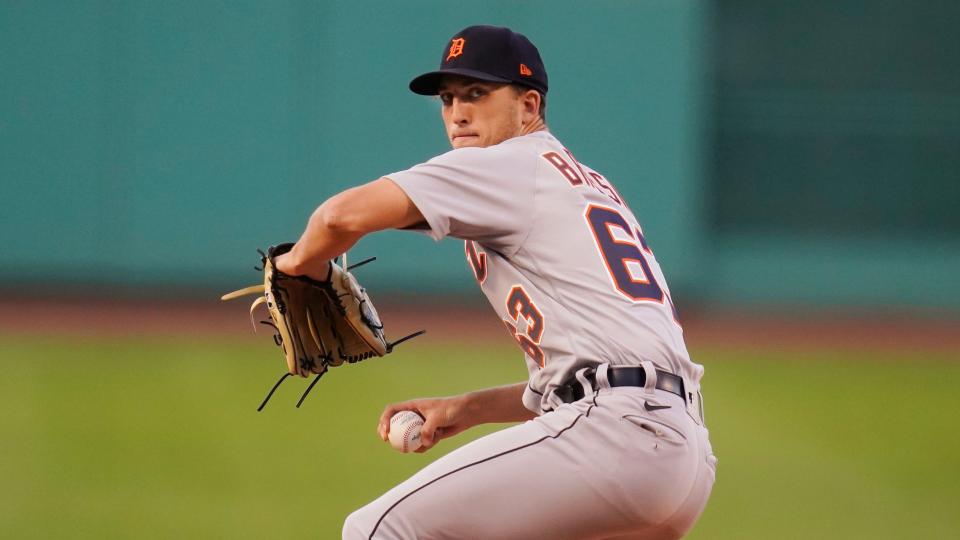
x,y
479,113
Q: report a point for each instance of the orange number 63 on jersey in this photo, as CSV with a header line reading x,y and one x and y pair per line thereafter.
x,y
519,305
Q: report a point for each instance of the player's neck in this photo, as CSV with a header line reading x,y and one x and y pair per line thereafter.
x,y
536,125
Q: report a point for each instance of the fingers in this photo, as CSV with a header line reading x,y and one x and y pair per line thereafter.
x,y
433,431
383,425
430,433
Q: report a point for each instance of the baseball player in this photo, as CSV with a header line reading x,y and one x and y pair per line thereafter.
x,y
613,443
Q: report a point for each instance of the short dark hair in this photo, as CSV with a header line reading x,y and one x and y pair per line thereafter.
x,y
520,89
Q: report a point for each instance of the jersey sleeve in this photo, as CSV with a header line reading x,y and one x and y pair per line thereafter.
x,y
481,194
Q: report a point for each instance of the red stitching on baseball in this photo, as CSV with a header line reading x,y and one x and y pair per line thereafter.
x,y
406,433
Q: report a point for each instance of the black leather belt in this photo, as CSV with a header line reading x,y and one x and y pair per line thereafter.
x,y
624,376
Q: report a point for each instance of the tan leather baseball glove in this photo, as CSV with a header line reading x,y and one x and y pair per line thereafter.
x,y
319,324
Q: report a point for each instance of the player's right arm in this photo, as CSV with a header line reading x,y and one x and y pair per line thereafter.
x,y
446,417
337,224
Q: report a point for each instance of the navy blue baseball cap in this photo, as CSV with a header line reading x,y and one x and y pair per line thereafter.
x,y
488,53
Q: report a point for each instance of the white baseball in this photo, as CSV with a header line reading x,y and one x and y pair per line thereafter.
x,y
405,431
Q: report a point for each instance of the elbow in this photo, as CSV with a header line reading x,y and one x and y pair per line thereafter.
x,y
334,217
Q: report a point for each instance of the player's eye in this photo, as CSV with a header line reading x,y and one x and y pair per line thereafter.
x,y
476,92
446,98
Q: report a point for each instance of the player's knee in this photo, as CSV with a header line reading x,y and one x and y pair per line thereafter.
x,y
355,527
392,524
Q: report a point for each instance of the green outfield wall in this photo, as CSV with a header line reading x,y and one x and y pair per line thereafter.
x,y
161,143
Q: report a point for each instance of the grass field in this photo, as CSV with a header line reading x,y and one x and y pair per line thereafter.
x,y
156,438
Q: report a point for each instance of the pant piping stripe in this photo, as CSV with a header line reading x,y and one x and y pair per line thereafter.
x,y
538,441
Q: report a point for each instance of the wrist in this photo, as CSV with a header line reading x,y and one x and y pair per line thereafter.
x,y
319,271
469,403
468,408
295,263
285,263
484,406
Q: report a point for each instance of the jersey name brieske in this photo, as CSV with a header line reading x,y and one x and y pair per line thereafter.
x,y
558,254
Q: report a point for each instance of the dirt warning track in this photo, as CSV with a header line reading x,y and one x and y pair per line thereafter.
x,y
477,324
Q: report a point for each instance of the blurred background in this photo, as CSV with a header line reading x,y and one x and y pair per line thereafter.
x,y
795,165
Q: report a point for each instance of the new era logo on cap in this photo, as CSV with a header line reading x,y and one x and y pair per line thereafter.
x,y
487,53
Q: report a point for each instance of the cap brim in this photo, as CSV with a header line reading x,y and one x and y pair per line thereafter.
x,y
428,84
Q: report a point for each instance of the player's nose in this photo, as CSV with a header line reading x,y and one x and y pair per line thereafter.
x,y
459,112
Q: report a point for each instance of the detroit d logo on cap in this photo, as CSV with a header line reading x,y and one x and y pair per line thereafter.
x,y
456,48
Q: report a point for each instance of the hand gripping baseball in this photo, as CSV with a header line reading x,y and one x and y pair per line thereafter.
x,y
319,324
443,418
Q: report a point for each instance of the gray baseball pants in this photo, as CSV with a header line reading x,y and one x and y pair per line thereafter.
x,y
603,467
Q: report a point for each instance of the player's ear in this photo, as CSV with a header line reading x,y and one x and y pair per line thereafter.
x,y
530,105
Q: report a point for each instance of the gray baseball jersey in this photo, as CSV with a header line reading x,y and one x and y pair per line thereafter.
x,y
564,263
559,255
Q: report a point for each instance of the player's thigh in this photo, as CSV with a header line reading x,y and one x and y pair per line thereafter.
x,y
574,476
458,483
486,489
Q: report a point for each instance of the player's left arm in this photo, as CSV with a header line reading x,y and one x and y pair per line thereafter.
x,y
337,224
